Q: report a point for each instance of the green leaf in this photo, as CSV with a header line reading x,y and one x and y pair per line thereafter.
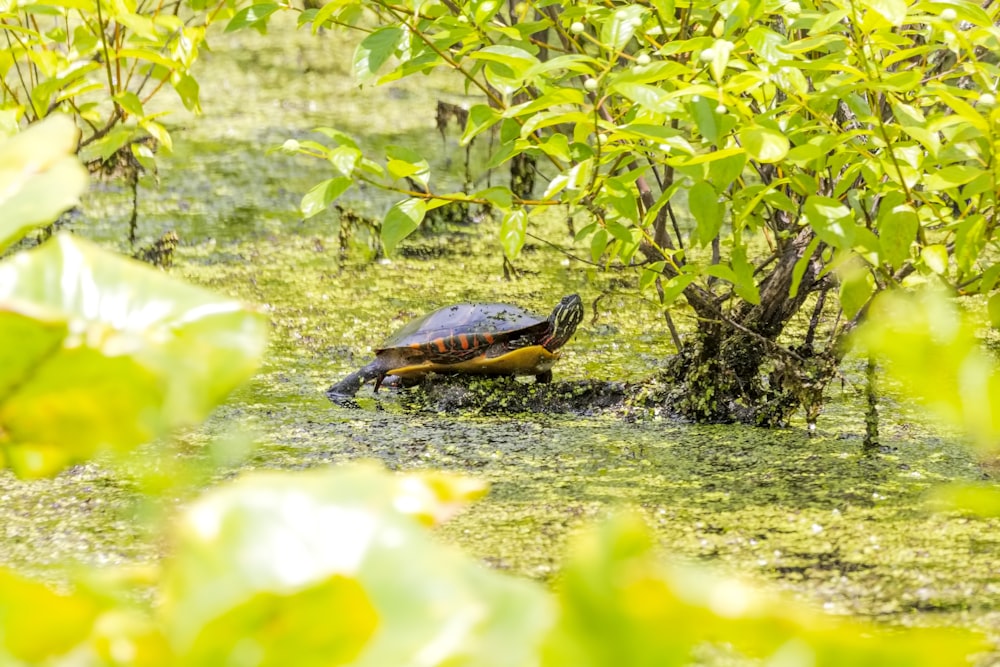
x,y
766,43
321,195
481,118
720,50
254,16
650,273
970,242
332,566
674,287
703,201
936,258
341,138
897,227
726,168
39,177
401,221
498,196
326,12
856,286
707,120
598,244
375,50
745,285
345,159
989,279
575,178
513,228
120,353
617,32
649,97
764,144
951,177
131,103
622,200
828,21
187,89
892,11
831,220
517,61
405,162
801,265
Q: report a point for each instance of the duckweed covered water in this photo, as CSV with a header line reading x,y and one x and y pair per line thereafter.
x,y
809,514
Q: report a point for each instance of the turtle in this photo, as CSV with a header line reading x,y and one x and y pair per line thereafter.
x,y
477,338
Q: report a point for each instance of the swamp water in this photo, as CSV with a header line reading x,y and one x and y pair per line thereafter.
x,y
807,514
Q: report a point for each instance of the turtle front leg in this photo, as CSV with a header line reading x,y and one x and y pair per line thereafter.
x,y
544,377
350,385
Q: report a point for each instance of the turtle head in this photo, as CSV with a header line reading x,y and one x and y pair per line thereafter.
x,y
563,322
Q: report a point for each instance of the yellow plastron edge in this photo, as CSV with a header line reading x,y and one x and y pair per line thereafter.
x,y
530,360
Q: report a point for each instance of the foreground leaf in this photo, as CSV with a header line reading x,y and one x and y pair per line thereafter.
x,y
40,177
620,605
102,351
932,348
36,623
260,557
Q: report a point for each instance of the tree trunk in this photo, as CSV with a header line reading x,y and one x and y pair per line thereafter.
x,y
735,370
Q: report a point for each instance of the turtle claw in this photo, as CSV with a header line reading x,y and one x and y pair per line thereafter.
x,y
342,400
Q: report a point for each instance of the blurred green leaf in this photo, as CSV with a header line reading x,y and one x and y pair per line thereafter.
x,y
269,628
598,244
898,226
112,353
39,177
979,499
131,103
621,605
37,623
970,242
744,284
765,43
650,274
293,559
993,308
856,285
932,348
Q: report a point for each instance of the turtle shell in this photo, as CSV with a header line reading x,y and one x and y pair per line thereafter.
x,y
455,333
